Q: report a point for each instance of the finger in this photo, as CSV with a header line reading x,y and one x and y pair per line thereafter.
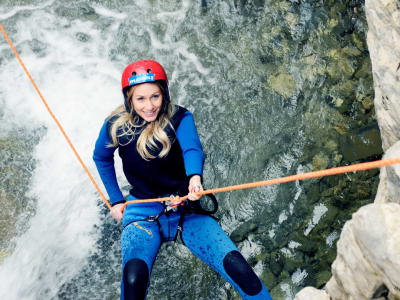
x,y
192,196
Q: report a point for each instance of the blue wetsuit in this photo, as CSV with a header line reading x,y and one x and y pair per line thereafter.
x,y
141,240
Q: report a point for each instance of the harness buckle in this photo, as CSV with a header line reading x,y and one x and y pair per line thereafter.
x,y
151,218
173,205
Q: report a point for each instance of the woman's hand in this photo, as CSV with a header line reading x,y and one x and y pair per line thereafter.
x,y
116,212
195,186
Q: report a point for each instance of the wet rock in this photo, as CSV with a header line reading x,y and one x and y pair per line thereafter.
x,y
365,69
330,216
276,263
359,43
293,263
82,37
320,161
3,255
361,144
307,246
283,290
283,84
277,293
83,10
367,104
322,278
269,279
38,47
243,231
340,66
351,51
8,219
16,165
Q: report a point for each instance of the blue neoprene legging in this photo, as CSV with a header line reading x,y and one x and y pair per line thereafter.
x,y
141,241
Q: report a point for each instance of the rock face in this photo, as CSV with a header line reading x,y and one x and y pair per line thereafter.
x,y
309,293
383,18
368,260
367,265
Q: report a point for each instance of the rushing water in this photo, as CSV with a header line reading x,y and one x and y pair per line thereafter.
x,y
219,56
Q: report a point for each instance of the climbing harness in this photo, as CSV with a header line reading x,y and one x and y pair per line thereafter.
x,y
184,208
175,200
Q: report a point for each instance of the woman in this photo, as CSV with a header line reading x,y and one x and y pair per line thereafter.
x,y
161,156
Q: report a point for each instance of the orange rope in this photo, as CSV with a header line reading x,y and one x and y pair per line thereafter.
x,y
54,118
301,176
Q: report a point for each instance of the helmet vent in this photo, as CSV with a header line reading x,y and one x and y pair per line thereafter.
x,y
148,70
133,73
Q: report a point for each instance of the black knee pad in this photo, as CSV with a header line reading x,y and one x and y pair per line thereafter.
x,y
241,273
136,279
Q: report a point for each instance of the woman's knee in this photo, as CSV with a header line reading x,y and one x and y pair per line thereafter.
x,y
241,273
136,279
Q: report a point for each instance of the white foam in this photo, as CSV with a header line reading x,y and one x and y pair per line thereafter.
x,y
319,211
109,13
14,11
282,217
298,276
81,87
331,238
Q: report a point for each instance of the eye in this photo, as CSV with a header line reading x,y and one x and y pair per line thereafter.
x,y
139,98
156,96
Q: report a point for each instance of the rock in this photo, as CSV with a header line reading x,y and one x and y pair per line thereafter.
x,y
383,21
351,51
269,279
364,70
277,293
368,254
361,144
242,232
276,263
3,255
320,161
282,291
340,66
283,83
8,219
82,37
293,263
322,277
310,293
335,290
389,190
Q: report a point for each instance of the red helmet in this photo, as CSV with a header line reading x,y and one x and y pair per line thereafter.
x,y
142,71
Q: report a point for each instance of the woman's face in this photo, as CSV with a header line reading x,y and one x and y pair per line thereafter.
x,y
147,100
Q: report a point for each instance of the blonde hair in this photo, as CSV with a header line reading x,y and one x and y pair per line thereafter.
x,y
130,124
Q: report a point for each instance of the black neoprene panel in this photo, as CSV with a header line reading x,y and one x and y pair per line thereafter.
x,y
136,279
241,273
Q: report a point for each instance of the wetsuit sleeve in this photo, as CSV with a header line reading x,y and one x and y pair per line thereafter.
x,y
189,141
103,157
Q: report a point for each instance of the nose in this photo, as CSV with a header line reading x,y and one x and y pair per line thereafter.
x,y
149,105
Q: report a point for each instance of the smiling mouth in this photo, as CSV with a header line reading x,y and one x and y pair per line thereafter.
x,y
149,114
